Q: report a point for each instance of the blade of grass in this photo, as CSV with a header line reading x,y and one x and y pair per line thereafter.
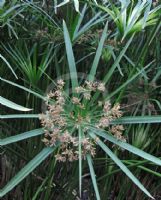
x,y
16,116
128,81
23,88
7,63
70,57
76,5
122,53
80,162
42,12
12,105
109,74
93,70
138,120
145,169
81,16
95,20
36,161
93,176
35,197
128,147
121,165
21,136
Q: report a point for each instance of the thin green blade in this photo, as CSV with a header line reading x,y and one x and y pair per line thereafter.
x,y
21,136
12,105
93,176
17,116
80,162
138,120
7,63
23,88
128,147
117,61
70,57
98,55
121,165
36,161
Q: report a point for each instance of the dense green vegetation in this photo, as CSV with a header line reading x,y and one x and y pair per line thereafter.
x,y
80,83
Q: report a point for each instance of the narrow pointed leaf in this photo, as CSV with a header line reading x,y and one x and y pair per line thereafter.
x,y
98,55
81,16
23,88
128,81
80,161
76,5
4,59
63,3
12,105
128,147
36,161
21,136
117,61
92,22
16,116
70,57
93,176
121,165
138,120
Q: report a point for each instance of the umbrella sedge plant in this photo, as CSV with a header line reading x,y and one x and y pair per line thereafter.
x,y
76,124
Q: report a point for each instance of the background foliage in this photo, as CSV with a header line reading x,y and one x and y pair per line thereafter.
x,y
33,52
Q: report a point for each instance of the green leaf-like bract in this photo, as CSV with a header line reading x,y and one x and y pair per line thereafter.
x,y
120,164
21,136
36,161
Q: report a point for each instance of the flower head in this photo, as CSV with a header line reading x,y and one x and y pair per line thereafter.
x,y
101,87
65,115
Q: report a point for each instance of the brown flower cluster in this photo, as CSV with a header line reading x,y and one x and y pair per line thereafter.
x,y
88,87
69,148
64,114
56,122
117,131
53,120
110,114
